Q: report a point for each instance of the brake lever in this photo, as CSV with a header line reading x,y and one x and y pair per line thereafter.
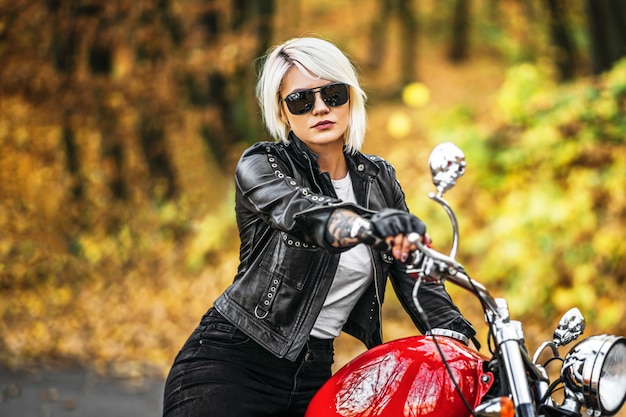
x,y
451,265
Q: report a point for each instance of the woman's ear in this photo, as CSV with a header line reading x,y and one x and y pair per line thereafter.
x,y
283,116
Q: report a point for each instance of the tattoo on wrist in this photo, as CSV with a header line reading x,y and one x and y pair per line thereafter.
x,y
340,226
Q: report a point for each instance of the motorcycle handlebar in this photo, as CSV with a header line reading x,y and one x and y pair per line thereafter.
x,y
431,265
439,267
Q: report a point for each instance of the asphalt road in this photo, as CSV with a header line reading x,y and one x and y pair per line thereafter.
x,y
77,393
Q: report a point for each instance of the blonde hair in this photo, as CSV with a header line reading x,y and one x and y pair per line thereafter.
x,y
322,59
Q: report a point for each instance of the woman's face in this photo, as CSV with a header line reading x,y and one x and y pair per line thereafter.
x,y
322,128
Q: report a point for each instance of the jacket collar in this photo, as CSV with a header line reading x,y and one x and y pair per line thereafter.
x,y
358,163
301,150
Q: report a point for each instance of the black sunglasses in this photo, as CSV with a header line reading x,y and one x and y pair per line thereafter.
x,y
301,102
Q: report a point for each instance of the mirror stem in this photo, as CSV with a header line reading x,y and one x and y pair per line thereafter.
x,y
455,225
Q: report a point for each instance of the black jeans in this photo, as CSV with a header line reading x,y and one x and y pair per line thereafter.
x,y
222,372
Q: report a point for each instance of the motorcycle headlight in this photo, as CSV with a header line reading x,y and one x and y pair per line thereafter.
x,y
595,372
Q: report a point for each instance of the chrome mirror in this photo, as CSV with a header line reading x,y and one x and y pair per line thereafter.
x,y
447,164
571,325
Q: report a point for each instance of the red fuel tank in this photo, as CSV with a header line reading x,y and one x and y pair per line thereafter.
x,y
405,377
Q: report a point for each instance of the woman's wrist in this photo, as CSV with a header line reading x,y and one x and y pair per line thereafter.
x,y
345,228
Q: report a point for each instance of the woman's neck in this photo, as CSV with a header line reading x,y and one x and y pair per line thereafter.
x,y
333,163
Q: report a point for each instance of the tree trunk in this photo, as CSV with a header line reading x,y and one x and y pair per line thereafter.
x,y
607,30
378,34
460,32
409,41
565,56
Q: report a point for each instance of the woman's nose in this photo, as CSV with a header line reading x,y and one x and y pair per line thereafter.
x,y
319,106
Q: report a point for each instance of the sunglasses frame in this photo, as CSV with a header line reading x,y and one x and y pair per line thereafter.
x,y
309,104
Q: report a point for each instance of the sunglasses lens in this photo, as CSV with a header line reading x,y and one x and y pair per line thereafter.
x,y
302,102
335,94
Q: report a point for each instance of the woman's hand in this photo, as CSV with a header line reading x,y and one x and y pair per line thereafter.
x,y
395,226
402,245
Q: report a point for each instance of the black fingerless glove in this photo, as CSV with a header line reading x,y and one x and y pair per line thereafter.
x,y
391,222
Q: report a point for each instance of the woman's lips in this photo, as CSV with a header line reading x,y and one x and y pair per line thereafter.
x,y
324,124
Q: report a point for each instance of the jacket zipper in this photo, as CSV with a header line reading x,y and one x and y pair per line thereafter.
x,y
372,254
312,173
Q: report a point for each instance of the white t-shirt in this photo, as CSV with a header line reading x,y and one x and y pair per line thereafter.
x,y
353,276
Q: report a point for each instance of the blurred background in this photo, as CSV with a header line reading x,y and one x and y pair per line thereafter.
x,y
121,123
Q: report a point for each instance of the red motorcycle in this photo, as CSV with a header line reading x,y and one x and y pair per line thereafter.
x,y
438,375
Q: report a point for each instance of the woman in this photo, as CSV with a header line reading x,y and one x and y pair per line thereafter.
x,y
308,207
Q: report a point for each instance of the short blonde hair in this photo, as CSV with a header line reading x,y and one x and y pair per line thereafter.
x,y
321,58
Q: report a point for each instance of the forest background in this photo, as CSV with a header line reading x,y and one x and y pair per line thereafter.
x,y
121,123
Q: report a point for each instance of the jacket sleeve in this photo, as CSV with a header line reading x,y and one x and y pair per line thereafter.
x,y
435,302
266,188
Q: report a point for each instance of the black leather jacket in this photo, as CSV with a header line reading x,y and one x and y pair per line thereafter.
x,y
283,202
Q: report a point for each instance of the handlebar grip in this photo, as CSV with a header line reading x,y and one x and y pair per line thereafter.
x,y
362,230
366,235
